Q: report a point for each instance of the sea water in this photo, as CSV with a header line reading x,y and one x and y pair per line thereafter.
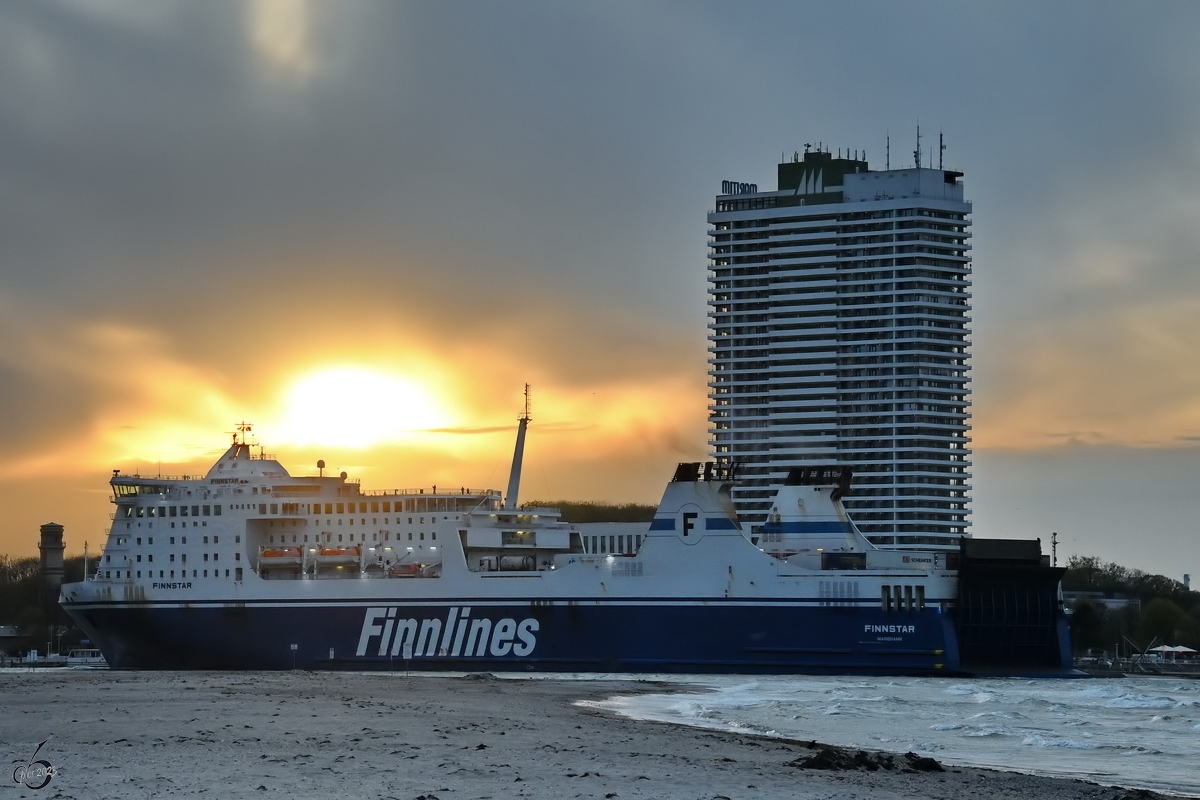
x,y
1136,732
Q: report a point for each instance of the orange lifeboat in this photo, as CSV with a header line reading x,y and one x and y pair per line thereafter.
x,y
282,552
341,551
402,570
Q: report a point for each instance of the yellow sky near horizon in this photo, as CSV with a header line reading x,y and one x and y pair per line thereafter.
x,y
399,412
402,410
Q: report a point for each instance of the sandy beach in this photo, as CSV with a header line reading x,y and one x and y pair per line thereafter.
x,y
262,735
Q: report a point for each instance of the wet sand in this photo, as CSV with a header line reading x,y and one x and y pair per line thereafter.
x,y
300,735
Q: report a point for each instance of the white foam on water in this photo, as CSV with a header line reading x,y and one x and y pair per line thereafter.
x,y
1113,728
988,732
1141,701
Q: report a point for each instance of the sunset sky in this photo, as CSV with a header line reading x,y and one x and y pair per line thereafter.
x,y
363,226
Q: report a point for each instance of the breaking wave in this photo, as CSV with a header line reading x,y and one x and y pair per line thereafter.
x,y
1138,732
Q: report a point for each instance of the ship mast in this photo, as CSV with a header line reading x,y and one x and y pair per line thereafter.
x,y
514,476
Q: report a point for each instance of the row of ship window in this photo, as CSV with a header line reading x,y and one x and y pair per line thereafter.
x,y
139,512
172,511
237,556
362,537
613,544
216,573
237,539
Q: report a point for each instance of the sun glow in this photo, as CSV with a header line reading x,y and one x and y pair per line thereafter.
x,y
357,407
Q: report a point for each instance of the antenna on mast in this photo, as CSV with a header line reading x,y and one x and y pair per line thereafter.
x,y
889,151
941,149
242,433
514,476
917,152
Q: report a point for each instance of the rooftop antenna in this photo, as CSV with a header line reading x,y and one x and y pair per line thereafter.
x,y
917,152
514,477
242,433
807,145
888,161
941,149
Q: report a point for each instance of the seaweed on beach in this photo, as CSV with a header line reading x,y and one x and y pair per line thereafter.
x,y
840,759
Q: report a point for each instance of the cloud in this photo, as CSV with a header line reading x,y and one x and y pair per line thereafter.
x,y
201,203
1128,375
280,31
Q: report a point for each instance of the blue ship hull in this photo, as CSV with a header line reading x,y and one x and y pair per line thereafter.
x,y
702,636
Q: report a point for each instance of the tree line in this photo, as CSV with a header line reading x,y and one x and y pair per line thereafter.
x,y
1167,612
33,612
597,512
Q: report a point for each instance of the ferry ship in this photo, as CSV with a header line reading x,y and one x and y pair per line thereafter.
x,y
250,567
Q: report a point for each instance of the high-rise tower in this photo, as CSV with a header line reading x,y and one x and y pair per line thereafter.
x,y
838,312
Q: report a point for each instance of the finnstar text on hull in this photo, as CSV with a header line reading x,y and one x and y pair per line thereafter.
x,y
249,567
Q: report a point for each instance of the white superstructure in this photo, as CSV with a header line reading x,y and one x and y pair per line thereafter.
x,y
249,515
